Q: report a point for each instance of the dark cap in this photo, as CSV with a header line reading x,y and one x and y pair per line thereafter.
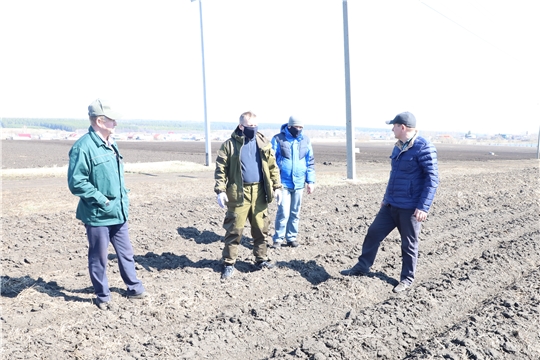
x,y
405,118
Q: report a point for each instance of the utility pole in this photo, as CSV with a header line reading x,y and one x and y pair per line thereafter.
x,y
351,161
538,146
207,140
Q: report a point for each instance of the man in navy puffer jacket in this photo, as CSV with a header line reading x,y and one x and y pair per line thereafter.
x,y
409,194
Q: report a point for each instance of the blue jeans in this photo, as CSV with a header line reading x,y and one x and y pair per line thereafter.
x,y
287,216
98,244
387,219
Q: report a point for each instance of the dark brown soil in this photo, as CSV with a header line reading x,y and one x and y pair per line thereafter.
x,y
476,295
34,153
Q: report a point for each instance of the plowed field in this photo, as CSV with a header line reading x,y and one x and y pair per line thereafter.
x,y
476,294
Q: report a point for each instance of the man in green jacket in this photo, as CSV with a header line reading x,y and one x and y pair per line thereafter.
x,y
96,176
247,180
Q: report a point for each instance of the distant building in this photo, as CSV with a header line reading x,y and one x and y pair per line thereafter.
x,y
22,137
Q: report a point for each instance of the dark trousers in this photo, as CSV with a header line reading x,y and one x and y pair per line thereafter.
x,y
98,244
388,219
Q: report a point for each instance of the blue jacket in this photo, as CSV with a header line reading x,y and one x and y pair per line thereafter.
x,y
294,158
95,175
415,175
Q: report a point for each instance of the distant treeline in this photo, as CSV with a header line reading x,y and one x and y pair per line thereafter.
x,y
146,125
54,124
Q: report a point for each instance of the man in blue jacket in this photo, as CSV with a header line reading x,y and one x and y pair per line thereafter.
x,y
409,194
294,155
96,176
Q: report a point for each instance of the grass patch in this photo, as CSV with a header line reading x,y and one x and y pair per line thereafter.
x,y
166,167
324,179
34,172
134,168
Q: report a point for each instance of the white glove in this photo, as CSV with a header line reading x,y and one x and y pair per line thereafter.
x,y
222,199
277,195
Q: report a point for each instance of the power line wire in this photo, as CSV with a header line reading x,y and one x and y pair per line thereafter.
x,y
464,28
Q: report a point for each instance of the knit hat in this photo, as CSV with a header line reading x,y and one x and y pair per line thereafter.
x,y
101,107
294,121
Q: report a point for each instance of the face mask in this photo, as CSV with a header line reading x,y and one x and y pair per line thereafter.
x,y
250,132
294,131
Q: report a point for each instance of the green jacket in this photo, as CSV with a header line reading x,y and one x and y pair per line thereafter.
x,y
228,174
96,175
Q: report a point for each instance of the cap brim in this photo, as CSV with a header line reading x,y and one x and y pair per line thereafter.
x,y
113,115
389,122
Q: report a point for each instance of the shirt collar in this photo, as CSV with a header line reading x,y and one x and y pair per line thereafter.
x,y
407,144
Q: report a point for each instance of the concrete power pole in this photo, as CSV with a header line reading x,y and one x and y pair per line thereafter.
x,y
351,163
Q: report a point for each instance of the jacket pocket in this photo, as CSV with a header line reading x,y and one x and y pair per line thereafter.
x,y
407,161
232,194
101,159
109,212
104,176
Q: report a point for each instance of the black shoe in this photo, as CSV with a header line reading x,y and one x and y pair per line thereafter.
x,y
103,305
354,271
265,265
401,287
142,295
227,272
293,244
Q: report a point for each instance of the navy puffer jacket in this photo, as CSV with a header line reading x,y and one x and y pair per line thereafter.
x,y
414,177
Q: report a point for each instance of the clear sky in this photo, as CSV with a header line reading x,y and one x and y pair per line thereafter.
x,y
461,65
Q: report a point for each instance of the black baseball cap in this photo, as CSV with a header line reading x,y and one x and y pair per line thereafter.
x,y
405,118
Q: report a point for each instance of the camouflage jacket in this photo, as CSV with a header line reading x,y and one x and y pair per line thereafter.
x,y
228,174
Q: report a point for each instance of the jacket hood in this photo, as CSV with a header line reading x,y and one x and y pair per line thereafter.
x,y
285,130
237,134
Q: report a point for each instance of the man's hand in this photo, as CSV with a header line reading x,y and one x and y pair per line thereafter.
x,y
277,195
420,215
310,188
222,200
